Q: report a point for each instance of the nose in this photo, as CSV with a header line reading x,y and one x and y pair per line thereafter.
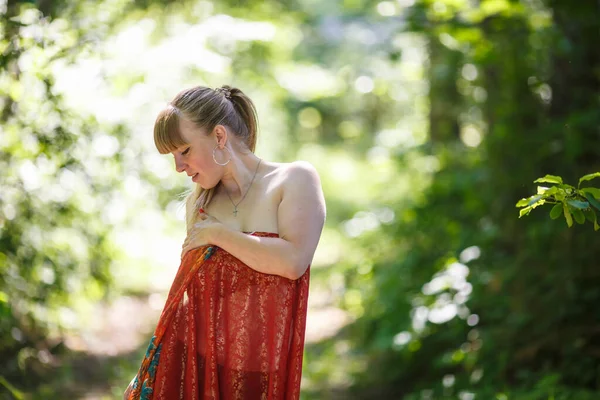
x,y
179,164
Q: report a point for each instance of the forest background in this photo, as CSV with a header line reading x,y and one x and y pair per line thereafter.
x,y
427,121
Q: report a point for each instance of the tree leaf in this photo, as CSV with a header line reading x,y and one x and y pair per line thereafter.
x,y
549,192
568,216
589,177
593,191
530,201
579,217
525,211
592,200
535,199
549,179
523,202
582,205
556,211
590,214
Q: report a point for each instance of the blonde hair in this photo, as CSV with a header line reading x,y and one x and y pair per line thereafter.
x,y
206,108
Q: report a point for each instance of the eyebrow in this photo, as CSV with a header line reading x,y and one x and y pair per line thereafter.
x,y
181,149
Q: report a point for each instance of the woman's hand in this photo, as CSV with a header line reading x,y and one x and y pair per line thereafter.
x,y
200,233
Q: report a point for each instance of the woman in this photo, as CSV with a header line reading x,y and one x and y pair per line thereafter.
x,y
233,325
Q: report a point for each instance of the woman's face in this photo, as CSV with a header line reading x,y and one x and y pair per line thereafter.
x,y
195,158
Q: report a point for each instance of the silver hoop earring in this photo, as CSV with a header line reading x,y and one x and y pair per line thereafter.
x,y
215,158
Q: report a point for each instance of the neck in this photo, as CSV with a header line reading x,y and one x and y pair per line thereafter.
x,y
239,173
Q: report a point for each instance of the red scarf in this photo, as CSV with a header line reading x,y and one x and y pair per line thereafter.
x,y
227,332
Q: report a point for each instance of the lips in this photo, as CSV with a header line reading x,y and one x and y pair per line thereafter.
x,y
194,177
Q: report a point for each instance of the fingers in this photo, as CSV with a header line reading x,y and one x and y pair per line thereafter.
x,y
198,225
194,233
201,224
203,216
188,244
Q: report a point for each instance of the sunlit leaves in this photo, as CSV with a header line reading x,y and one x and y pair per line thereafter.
x,y
589,177
573,203
525,211
531,203
549,179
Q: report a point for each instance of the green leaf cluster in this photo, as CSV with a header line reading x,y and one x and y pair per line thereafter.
x,y
572,202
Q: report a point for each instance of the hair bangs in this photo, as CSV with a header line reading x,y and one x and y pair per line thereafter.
x,y
167,136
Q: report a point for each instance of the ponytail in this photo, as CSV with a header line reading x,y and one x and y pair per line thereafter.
x,y
246,109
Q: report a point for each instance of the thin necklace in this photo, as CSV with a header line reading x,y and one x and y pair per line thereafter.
x,y
235,206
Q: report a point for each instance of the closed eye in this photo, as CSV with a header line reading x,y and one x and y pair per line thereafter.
x,y
185,151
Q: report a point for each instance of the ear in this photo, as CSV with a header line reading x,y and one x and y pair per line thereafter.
x,y
220,133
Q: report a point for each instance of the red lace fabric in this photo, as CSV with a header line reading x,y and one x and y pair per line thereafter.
x,y
227,332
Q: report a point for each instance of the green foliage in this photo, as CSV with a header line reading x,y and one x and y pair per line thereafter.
x,y
503,86
574,203
55,246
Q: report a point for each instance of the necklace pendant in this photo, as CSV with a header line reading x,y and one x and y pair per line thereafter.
x,y
235,206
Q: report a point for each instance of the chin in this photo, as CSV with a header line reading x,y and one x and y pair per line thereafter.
x,y
206,186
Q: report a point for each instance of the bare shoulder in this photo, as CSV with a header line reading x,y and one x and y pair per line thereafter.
x,y
302,210
297,173
301,185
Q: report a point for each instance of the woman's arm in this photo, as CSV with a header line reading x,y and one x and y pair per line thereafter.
x,y
301,216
